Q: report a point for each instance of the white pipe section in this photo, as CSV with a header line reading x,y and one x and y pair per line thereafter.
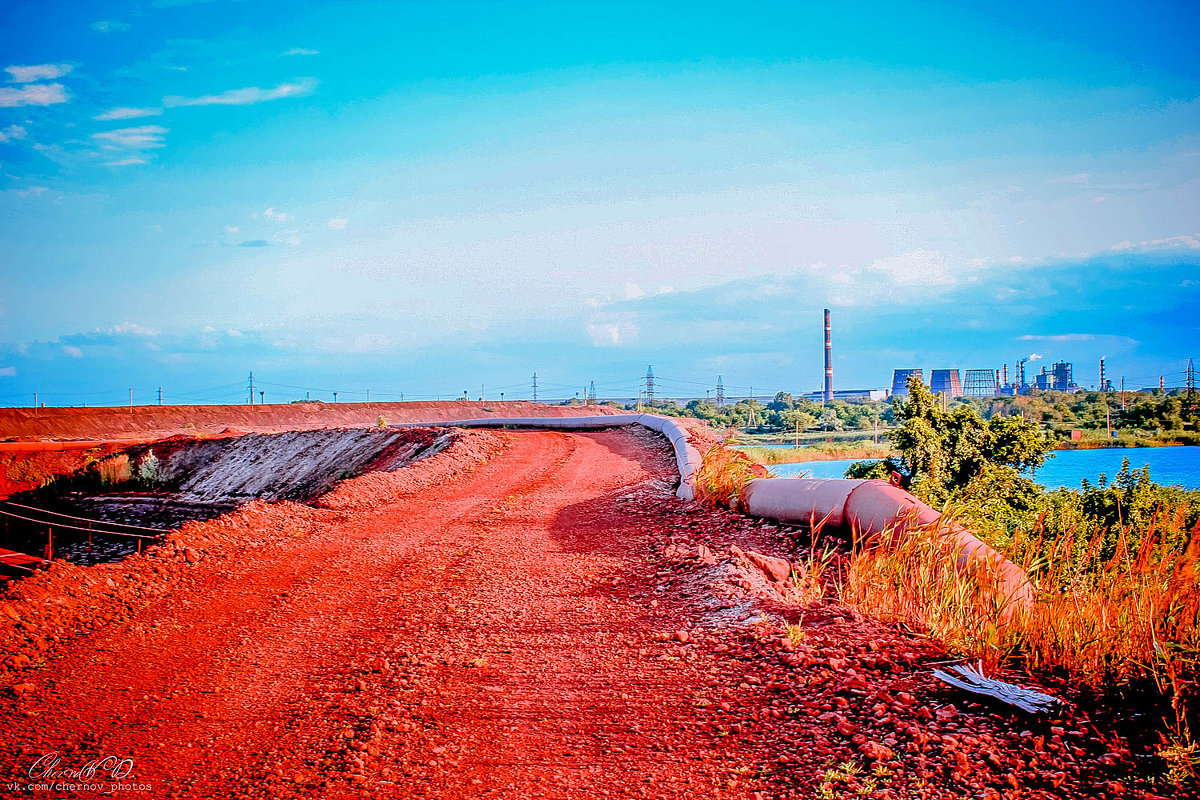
x,y
874,507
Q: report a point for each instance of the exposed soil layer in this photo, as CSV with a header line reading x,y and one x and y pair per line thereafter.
x,y
522,615
162,484
145,423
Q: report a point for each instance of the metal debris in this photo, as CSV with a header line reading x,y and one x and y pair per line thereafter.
x,y
972,679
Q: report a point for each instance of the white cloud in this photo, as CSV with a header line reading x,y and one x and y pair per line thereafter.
x,y
1078,179
633,291
300,51
141,136
41,94
128,113
134,329
1034,357
612,330
1188,241
338,223
275,216
8,372
919,266
72,351
1062,337
35,191
232,229
125,162
37,72
11,132
110,26
247,96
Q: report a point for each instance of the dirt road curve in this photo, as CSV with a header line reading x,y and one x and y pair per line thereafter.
x,y
545,621
472,643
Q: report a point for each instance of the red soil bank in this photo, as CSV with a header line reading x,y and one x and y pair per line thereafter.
x,y
523,615
157,422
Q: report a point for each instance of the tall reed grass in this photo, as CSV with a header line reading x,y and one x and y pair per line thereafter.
x,y
1106,622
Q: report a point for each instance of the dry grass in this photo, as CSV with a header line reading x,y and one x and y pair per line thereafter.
x,y
723,475
1129,619
824,452
914,579
114,470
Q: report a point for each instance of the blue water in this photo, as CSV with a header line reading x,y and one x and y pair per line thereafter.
x,y
1177,466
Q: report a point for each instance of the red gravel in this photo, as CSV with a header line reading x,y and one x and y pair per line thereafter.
x,y
522,615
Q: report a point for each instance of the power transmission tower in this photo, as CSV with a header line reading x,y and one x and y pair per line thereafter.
x,y
720,393
535,387
1191,380
591,395
160,395
251,388
650,385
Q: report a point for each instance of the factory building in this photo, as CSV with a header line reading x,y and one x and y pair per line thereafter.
x,y
900,380
945,381
850,395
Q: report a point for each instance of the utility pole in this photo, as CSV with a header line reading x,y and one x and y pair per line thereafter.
x,y
875,436
368,395
35,401
1108,419
797,434
131,399
1122,392
481,392
335,396
262,397
160,395
252,388
535,387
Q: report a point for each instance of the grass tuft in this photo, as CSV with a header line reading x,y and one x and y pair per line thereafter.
x,y
723,475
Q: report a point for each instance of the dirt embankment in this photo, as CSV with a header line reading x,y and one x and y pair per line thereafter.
x,y
522,615
143,423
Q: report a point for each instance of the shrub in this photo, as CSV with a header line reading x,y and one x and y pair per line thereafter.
x,y
148,469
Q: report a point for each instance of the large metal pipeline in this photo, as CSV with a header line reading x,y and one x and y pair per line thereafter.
x,y
874,508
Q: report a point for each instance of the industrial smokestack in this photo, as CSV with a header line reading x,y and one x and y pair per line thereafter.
x,y
828,360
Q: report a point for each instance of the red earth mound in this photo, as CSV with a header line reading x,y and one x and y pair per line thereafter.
x,y
157,422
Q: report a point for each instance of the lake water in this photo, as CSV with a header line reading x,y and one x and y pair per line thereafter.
x,y
1177,466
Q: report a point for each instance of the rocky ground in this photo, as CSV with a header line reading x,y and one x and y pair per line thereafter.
x,y
522,615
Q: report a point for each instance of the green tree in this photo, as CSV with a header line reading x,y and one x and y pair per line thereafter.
x,y
942,452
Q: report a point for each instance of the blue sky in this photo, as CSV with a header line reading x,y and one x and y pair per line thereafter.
x,y
430,197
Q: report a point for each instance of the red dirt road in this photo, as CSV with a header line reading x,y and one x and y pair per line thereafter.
x,y
542,624
512,669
